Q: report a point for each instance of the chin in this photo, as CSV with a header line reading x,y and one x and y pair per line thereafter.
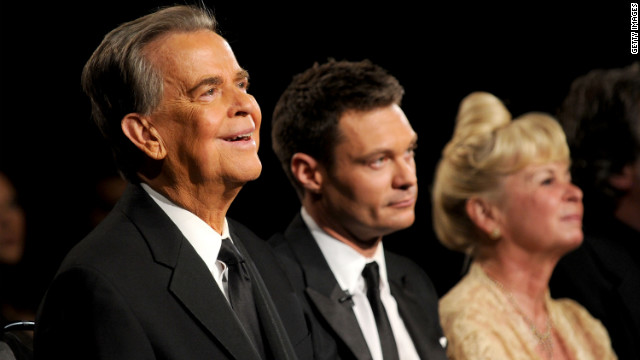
x,y
403,219
573,243
399,224
250,171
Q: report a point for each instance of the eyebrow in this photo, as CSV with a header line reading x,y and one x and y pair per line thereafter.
x,y
217,80
383,150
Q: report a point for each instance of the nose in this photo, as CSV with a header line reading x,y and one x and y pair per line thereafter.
x,y
573,193
405,173
243,104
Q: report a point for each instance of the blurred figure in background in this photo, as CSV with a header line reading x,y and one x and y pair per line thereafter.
x,y
601,117
503,195
18,296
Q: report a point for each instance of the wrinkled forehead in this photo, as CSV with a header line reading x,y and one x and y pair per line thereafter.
x,y
191,50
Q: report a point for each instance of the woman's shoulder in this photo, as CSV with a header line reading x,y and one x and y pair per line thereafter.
x,y
572,309
576,322
472,294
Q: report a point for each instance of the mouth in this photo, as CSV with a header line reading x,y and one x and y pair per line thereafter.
x,y
403,202
572,217
241,137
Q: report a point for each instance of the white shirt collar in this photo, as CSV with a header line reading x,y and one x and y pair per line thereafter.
x,y
202,237
345,262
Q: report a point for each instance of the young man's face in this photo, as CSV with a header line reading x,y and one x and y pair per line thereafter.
x,y
371,190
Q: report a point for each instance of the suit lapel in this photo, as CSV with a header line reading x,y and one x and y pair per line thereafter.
x,y
412,315
199,293
323,289
411,306
341,318
191,283
274,331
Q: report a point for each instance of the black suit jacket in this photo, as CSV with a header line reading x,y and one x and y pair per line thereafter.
x,y
135,288
603,276
338,330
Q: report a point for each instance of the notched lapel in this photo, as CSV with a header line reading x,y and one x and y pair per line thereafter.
x,y
341,318
422,328
278,342
193,285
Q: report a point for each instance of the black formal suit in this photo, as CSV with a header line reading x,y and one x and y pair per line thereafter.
x,y
604,277
339,331
135,288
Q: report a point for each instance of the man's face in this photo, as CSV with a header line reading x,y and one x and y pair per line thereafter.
x,y
372,188
207,121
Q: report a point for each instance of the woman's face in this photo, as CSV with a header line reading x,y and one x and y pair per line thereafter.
x,y
12,224
541,210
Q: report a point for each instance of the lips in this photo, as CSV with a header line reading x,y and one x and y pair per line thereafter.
x,y
403,202
240,137
572,217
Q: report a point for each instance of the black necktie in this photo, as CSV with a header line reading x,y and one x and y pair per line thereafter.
x,y
240,293
387,341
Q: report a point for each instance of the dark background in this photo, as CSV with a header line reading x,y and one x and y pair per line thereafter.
x,y
526,53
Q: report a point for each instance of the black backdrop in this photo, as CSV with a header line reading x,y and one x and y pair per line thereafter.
x,y
526,53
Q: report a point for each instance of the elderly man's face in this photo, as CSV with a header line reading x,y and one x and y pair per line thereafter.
x,y
207,120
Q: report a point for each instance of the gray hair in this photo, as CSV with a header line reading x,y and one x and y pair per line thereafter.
x,y
119,79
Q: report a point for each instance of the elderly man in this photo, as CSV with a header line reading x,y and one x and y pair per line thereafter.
x,y
166,275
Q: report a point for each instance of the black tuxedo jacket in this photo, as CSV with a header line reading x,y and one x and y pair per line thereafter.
x,y
339,332
135,288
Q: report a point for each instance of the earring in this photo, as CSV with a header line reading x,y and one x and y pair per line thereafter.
x,y
495,234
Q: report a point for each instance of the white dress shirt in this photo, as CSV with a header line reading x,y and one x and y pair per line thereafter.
x,y
347,265
200,235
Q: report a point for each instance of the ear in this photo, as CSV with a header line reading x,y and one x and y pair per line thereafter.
x,y
144,135
306,170
624,180
482,213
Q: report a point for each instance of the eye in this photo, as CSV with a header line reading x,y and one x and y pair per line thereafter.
x,y
548,181
411,152
378,162
244,84
209,92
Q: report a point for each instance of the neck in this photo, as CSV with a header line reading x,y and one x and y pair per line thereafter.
x,y
364,244
209,203
526,282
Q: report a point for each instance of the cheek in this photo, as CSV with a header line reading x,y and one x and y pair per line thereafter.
x,y
373,191
256,113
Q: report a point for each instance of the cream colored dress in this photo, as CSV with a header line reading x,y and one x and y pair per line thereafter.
x,y
480,323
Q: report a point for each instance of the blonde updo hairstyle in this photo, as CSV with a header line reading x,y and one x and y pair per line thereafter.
x,y
487,145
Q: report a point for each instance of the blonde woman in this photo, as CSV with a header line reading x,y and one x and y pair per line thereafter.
x,y
503,195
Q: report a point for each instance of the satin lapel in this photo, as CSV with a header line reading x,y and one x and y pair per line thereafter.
x,y
324,290
422,328
191,283
199,293
413,316
274,331
342,320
